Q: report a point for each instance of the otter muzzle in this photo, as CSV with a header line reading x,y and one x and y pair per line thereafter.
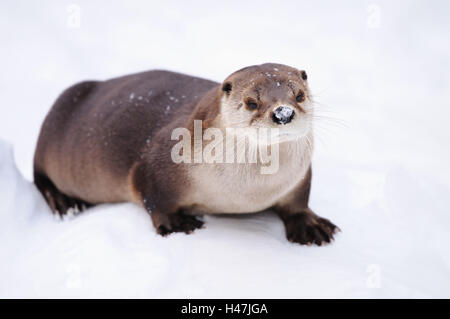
x,y
283,115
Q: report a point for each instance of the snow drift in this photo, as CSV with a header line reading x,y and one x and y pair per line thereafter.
x,y
113,250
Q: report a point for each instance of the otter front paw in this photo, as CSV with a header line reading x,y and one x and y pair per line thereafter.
x,y
166,224
307,228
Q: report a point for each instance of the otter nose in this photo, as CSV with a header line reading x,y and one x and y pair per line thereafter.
x,y
283,115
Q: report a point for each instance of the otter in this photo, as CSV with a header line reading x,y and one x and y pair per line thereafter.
x,y
111,141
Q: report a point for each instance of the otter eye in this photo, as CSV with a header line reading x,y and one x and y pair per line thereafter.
x,y
300,97
304,75
252,105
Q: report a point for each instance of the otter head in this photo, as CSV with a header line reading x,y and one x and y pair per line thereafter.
x,y
268,96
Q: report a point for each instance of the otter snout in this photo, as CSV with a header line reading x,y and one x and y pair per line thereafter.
x,y
283,114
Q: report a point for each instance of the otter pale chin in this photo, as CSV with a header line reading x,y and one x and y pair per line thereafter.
x,y
113,141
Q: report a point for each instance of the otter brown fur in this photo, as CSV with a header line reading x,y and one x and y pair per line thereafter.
x,y
110,141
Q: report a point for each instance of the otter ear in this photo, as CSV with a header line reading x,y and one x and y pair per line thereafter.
x,y
226,87
304,75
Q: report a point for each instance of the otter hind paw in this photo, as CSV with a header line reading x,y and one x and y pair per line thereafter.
x,y
176,223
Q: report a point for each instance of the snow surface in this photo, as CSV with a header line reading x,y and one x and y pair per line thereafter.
x,y
380,173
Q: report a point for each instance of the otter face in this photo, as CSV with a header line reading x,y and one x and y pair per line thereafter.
x,y
268,96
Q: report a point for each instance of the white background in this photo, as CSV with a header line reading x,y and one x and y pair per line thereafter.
x,y
380,69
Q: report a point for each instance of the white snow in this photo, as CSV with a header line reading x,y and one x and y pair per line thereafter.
x,y
381,173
